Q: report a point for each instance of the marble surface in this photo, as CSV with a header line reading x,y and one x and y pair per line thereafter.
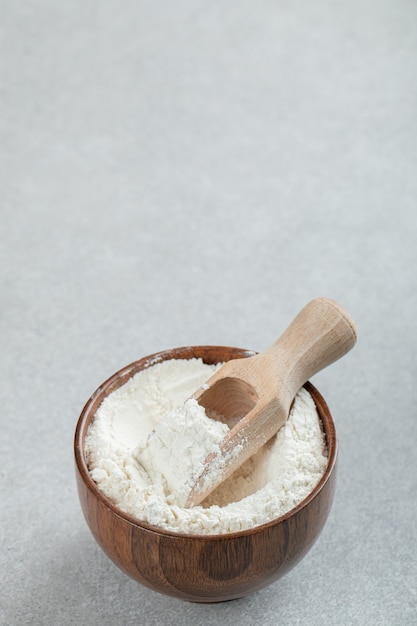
x,y
194,172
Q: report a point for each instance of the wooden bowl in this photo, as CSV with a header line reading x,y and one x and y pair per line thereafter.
x,y
202,568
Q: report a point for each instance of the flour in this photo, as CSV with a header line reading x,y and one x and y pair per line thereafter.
x,y
269,484
175,452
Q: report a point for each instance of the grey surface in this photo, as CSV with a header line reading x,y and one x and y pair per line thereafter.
x,y
194,172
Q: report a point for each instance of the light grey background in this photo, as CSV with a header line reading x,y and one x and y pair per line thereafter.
x,y
178,173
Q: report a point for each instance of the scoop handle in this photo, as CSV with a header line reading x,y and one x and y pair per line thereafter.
x,y
321,333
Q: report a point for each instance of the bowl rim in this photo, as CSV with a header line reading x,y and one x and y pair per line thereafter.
x,y
117,379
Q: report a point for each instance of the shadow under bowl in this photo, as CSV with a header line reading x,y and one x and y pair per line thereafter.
x,y
202,568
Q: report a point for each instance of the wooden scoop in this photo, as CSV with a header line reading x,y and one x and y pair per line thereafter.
x,y
254,395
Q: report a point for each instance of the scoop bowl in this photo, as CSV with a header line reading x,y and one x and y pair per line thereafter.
x,y
202,568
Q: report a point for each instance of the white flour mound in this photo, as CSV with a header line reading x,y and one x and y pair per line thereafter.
x,y
268,485
175,452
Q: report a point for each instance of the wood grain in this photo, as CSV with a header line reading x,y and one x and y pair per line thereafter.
x,y
202,568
